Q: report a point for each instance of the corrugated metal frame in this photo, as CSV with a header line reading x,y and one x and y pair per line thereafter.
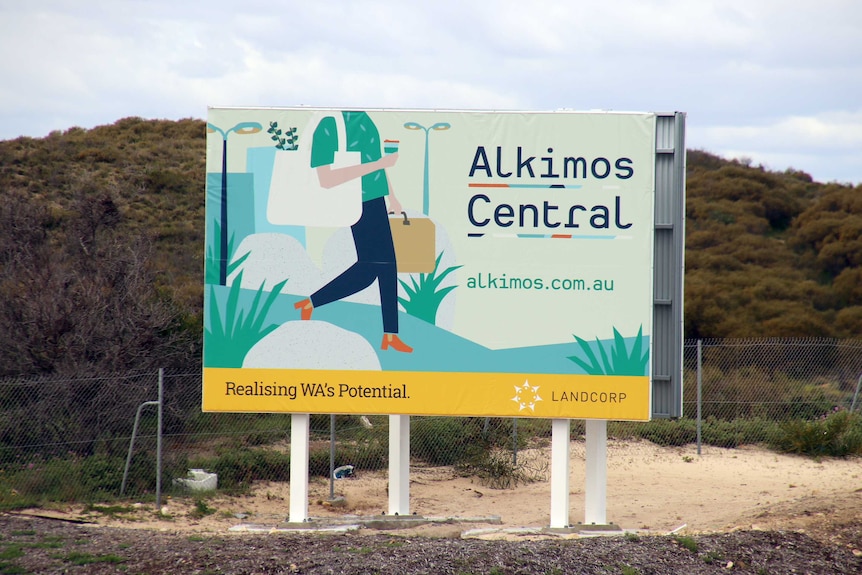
x,y
669,266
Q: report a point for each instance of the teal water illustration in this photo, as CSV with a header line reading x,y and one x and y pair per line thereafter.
x,y
435,349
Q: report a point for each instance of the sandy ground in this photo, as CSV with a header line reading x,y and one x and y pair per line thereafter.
x,y
649,488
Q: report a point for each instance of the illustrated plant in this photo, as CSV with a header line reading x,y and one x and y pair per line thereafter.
x,y
423,298
234,332
621,360
211,267
285,140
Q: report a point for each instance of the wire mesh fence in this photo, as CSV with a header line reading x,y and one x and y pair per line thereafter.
x,y
68,438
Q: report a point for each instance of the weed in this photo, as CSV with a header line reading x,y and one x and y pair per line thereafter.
x,y
88,559
686,542
201,509
11,569
629,570
711,557
46,544
496,468
11,552
630,536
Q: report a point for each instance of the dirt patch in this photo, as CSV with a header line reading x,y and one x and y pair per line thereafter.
x,y
739,506
649,488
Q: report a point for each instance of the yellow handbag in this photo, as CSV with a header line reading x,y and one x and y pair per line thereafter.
x,y
414,240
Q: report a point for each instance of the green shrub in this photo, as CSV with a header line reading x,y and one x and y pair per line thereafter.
x,y
440,440
102,473
454,440
668,432
369,455
75,479
678,432
839,434
496,468
238,467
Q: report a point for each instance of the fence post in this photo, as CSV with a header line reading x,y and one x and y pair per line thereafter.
x,y
514,442
159,441
699,392
159,403
132,446
331,456
856,394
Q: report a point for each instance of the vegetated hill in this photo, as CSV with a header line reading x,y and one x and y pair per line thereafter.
x,y
770,253
93,220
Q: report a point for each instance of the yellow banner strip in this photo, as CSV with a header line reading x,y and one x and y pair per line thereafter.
x,y
552,396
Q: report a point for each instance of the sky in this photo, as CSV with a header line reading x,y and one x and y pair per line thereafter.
x,y
774,82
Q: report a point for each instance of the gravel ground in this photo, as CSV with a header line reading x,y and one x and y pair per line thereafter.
x,y
37,545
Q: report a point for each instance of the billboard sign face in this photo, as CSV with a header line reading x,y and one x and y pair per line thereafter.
x,y
429,262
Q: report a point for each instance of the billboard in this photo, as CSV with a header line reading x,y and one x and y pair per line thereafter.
x,y
425,262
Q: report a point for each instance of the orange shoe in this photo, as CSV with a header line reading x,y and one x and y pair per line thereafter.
x,y
392,340
306,307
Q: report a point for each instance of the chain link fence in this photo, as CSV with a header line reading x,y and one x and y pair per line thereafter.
x,y
68,438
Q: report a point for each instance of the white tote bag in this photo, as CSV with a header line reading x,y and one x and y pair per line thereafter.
x,y
296,197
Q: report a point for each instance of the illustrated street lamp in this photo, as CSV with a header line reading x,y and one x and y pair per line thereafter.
x,y
439,126
242,128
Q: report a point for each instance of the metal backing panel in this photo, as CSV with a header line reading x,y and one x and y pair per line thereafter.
x,y
669,250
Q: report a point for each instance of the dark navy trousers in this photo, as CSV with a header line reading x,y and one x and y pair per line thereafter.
x,y
375,261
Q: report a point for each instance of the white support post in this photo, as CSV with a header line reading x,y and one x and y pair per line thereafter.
x,y
399,465
300,430
597,472
560,473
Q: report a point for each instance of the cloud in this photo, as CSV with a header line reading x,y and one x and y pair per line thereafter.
x,y
829,131
826,145
763,77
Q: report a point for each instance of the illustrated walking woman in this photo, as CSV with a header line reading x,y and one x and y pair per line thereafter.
x,y
372,237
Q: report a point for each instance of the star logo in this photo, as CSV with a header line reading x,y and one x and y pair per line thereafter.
x,y
527,396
